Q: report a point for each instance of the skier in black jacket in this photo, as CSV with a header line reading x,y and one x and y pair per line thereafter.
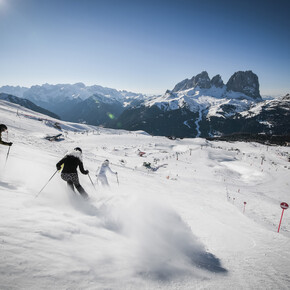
x,y
69,172
3,128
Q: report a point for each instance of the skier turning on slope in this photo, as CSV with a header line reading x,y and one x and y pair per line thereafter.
x,y
3,128
101,174
69,173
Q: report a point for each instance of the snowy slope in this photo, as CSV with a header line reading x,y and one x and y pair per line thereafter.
x,y
179,227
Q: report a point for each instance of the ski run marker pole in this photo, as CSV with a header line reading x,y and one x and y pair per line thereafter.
x,y
46,183
117,178
244,207
284,206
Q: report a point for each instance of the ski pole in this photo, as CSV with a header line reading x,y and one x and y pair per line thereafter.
x,y
117,178
92,182
46,183
7,156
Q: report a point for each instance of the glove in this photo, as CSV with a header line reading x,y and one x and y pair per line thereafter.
x,y
86,172
58,167
10,144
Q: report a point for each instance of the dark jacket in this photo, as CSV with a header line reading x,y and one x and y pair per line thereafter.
x,y
71,164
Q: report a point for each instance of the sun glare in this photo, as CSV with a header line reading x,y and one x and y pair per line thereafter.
x,y
3,5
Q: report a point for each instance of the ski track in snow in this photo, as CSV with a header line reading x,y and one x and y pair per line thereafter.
x,y
197,121
179,227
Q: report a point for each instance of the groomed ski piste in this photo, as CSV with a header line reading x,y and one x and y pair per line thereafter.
x,y
181,226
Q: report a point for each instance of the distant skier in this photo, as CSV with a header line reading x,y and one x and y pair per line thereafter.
x,y
147,165
101,174
69,173
3,128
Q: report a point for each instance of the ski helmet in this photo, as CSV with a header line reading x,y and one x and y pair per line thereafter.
x,y
78,149
3,127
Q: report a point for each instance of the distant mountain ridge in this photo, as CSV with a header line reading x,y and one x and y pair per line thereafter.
x,y
27,104
197,107
64,99
48,92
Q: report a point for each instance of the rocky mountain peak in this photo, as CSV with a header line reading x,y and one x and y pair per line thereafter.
x,y
217,81
202,80
245,82
183,85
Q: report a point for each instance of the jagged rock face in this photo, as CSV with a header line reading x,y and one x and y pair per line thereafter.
x,y
245,82
202,80
217,81
286,98
183,85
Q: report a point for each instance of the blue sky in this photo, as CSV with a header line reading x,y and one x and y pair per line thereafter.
x,y
143,46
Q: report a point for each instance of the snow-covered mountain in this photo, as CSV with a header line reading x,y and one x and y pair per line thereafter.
x,y
14,90
26,104
204,216
195,107
201,106
63,99
56,93
211,97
